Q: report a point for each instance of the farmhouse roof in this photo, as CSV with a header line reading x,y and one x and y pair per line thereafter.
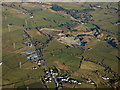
x,y
29,51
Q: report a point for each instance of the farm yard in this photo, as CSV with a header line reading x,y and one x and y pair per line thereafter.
x,y
60,45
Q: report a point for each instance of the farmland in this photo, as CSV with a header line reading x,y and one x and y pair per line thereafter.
x,y
60,45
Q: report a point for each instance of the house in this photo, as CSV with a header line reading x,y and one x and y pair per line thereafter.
x,y
75,81
79,83
39,61
10,24
117,23
59,77
28,43
33,56
34,68
29,51
55,74
25,42
98,6
72,80
26,13
35,62
51,71
105,78
92,82
63,79
45,78
68,78
48,80
46,72
0,63
31,16
61,34
88,81
39,64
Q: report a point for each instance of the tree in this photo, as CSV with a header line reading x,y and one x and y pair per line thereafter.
x,y
67,46
57,8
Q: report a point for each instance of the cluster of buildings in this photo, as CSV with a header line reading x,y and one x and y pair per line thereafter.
x,y
33,57
94,6
31,16
70,80
58,78
90,82
28,44
47,78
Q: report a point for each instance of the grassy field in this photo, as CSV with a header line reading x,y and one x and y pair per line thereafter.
x,y
12,16
25,74
71,5
88,86
56,54
101,50
57,51
102,17
90,26
91,71
105,17
10,57
46,18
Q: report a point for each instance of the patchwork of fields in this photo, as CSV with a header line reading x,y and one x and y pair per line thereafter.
x,y
59,64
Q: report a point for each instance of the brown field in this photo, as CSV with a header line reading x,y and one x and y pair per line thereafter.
x,y
80,27
60,66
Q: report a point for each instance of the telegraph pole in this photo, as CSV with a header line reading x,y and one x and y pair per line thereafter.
x,y
27,88
5,17
14,45
20,64
3,9
8,28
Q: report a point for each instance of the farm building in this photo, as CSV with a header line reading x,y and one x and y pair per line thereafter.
x,y
32,56
29,51
31,16
28,44
61,34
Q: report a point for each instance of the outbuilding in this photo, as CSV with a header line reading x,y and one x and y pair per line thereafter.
x,y
29,51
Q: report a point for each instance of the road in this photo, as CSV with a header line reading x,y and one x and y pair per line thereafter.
x,y
40,55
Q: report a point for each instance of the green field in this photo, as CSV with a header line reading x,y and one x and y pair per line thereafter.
x,y
101,51
58,52
65,58
10,57
75,5
90,26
